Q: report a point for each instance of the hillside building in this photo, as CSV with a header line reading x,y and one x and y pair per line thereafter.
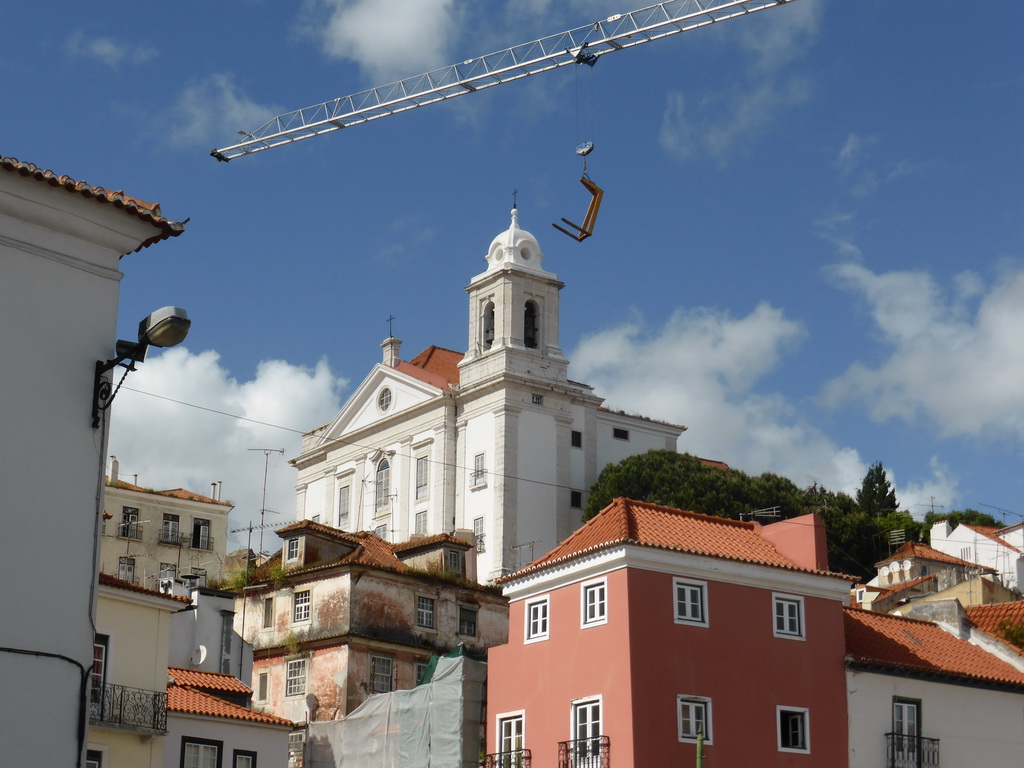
x,y
498,441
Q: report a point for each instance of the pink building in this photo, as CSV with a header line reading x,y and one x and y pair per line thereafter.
x,y
650,625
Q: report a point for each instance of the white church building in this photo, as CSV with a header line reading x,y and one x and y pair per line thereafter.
x,y
497,442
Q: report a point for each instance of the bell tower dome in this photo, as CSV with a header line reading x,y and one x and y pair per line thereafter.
x,y
513,312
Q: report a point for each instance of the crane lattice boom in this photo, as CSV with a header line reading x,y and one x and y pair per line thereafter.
x,y
617,32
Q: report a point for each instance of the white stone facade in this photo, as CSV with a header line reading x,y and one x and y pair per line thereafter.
x,y
506,445
1001,550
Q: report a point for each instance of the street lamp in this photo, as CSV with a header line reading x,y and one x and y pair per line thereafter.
x,y
167,327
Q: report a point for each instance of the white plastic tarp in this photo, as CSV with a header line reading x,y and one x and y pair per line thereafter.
x,y
436,725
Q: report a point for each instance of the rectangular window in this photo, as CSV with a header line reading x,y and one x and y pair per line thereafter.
x,y
315,518
794,734
200,577
382,674
420,670
343,506
537,620
594,603
296,747
93,758
576,499
99,661
295,678
130,528
243,758
694,717
293,550
264,686
422,474
691,602
789,616
454,561
586,732
126,569
537,399
479,470
467,621
168,571
906,732
300,606
478,533
420,523
425,612
200,753
381,532
620,434
268,612
577,439
170,530
511,731
201,534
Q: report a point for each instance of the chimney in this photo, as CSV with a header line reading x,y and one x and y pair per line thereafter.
x,y
391,347
114,466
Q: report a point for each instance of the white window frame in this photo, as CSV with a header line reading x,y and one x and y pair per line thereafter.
x,y
419,522
478,533
301,603
388,663
453,560
514,739
126,569
703,703
422,477
262,686
787,632
479,476
382,485
574,731
292,553
384,400
426,612
594,603
205,753
692,586
805,719
537,629
344,506
476,620
295,677
268,612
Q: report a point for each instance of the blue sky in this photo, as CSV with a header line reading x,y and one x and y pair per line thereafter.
x,y
809,251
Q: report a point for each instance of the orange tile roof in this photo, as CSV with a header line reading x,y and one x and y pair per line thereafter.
x,y
880,639
626,521
895,588
439,361
990,618
174,493
107,580
194,702
148,212
210,681
913,549
429,541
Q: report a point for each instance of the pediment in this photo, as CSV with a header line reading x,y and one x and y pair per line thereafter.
x,y
364,408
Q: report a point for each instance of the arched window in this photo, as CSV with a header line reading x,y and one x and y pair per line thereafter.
x,y
383,483
488,324
531,325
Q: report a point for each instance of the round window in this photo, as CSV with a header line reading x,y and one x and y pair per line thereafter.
x,y
384,399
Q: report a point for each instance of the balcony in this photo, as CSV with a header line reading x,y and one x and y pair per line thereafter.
x,y
517,758
129,531
904,751
131,708
173,538
592,752
200,542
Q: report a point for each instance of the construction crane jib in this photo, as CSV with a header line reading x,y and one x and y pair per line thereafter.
x,y
616,33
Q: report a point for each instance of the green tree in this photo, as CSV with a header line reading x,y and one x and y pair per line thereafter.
x,y
876,496
957,516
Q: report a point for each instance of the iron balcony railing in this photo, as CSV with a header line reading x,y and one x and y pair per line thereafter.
x,y
592,752
128,707
911,751
517,758
200,541
130,530
173,537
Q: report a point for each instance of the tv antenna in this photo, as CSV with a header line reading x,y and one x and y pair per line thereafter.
x,y
263,505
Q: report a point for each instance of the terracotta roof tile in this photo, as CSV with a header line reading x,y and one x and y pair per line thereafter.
x,y
148,212
210,681
909,644
914,549
439,361
107,580
895,588
175,493
194,702
429,541
990,618
626,521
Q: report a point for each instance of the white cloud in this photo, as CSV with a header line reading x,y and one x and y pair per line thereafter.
x,y
388,39
954,357
214,111
702,370
170,444
107,50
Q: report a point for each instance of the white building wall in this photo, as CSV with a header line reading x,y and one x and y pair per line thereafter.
x,y
58,308
975,547
975,726
269,742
